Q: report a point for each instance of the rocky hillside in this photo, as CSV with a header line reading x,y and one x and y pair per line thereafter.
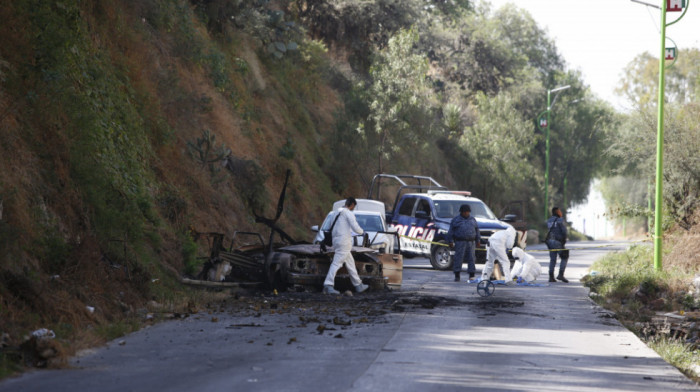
x,y
116,118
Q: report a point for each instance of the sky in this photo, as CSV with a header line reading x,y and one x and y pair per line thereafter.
x,y
601,37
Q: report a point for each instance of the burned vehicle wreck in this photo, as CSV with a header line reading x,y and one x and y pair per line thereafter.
x,y
283,264
301,266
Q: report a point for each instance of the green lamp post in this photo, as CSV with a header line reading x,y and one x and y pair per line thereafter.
x,y
544,123
666,54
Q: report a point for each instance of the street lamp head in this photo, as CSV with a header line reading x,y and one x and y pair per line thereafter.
x,y
556,90
646,4
560,88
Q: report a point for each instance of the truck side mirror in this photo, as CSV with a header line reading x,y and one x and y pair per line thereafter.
x,y
422,215
314,228
509,218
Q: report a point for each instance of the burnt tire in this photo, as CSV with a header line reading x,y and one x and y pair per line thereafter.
x,y
440,257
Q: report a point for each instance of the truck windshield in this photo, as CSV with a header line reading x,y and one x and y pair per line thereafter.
x,y
368,222
450,209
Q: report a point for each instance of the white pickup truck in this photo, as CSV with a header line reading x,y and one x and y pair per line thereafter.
x,y
370,216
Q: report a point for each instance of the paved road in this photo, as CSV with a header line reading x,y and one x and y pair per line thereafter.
x,y
436,336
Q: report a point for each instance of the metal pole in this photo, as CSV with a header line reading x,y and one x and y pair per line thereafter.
x,y
546,163
566,206
649,207
658,209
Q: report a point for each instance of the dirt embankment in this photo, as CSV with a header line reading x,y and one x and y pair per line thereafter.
x,y
99,127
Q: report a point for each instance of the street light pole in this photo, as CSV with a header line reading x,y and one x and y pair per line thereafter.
x,y
675,6
546,154
658,209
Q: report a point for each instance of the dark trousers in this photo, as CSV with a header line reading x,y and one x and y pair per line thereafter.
x,y
564,256
464,252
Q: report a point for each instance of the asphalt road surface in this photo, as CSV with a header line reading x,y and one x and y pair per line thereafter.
x,y
432,335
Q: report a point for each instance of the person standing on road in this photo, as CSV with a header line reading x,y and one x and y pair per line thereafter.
x,y
497,249
556,242
464,237
345,225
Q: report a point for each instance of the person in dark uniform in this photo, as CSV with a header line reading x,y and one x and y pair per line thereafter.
x,y
464,237
556,242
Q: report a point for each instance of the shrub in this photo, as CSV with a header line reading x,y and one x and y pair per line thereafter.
x,y
189,255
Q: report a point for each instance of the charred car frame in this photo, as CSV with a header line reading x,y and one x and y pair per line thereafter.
x,y
289,264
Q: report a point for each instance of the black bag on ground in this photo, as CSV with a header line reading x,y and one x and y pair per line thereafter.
x,y
328,234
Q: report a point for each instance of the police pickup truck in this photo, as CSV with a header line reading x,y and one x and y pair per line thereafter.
x,y
422,212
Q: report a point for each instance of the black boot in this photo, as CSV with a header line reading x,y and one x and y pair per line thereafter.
x,y
456,276
551,277
562,278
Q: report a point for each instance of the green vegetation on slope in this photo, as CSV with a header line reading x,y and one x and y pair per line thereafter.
x,y
633,149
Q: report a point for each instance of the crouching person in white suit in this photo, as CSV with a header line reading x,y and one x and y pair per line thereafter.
x,y
342,244
498,250
526,268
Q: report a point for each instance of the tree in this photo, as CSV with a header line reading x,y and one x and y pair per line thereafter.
x,y
578,127
458,100
641,80
635,145
399,119
627,197
499,144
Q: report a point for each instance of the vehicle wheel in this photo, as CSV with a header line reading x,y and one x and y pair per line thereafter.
x,y
440,257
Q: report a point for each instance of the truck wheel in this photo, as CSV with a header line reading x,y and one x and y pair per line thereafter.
x,y
440,257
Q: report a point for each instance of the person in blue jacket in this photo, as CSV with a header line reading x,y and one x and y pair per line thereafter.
x,y
464,237
556,242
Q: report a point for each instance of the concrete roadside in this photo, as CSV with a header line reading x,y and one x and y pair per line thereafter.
x,y
550,338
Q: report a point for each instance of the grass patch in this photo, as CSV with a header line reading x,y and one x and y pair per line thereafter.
x,y
617,275
678,354
9,364
193,264
117,329
627,284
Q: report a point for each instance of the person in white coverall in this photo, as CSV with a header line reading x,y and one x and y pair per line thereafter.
x,y
526,267
498,250
342,244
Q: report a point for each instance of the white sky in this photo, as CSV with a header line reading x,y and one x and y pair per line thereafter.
x,y
600,37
